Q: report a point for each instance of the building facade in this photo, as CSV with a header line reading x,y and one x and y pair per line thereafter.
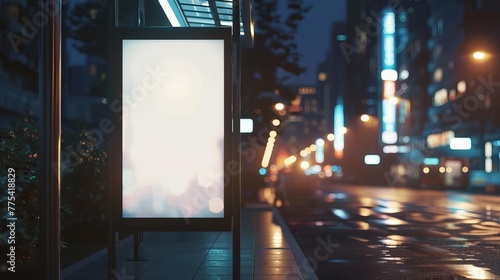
x,y
461,130
18,61
427,72
83,100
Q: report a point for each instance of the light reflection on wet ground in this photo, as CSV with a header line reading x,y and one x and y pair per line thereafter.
x,y
402,233
471,271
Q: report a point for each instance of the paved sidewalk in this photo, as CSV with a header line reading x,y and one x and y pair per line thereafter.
x,y
268,251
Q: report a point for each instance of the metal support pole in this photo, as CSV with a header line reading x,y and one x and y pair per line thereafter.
x,y
138,249
50,122
113,239
236,183
141,15
113,236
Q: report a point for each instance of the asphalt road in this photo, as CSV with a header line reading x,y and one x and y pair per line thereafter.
x,y
362,232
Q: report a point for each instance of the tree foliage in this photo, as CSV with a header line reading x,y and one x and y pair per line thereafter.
x,y
266,67
274,59
19,150
84,199
84,191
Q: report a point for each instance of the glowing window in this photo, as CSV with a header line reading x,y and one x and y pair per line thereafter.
x,y
372,159
438,75
440,97
461,86
460,143
404,74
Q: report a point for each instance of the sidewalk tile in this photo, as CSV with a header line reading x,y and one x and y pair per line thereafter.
x,y
265,254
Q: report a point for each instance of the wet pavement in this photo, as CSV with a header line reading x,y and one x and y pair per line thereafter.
x,y
360,232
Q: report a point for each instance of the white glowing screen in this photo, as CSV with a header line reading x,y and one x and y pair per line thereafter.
x,y
246,125
461,143
173,128
372,159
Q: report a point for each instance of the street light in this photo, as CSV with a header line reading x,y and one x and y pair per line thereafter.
x,y
369,120
304,165
320,142
479,55
394,100
322,76
279,106
303,153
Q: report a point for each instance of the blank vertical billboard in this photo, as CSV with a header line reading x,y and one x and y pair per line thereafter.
x,y
175,127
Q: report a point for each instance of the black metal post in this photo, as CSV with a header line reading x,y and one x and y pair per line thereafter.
x,y
113,236
138,249
141,22
236,182
50,122
141,15
113,239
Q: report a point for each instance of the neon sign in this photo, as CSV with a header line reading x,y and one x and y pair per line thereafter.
x,y
389,72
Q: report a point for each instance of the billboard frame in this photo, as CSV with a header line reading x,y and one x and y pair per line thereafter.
x,y
121,223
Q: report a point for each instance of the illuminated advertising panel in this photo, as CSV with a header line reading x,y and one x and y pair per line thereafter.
x,y
338,126
175,128
460,143
372,159
246,126
389,75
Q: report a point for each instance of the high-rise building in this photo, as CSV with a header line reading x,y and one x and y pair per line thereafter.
x,y
410,66
362,104
82,91
18,61
412,57
462,126
431,69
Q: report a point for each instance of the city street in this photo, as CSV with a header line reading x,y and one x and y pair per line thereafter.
x,y
361,232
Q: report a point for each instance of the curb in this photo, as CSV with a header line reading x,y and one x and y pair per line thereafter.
x,y
301,260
